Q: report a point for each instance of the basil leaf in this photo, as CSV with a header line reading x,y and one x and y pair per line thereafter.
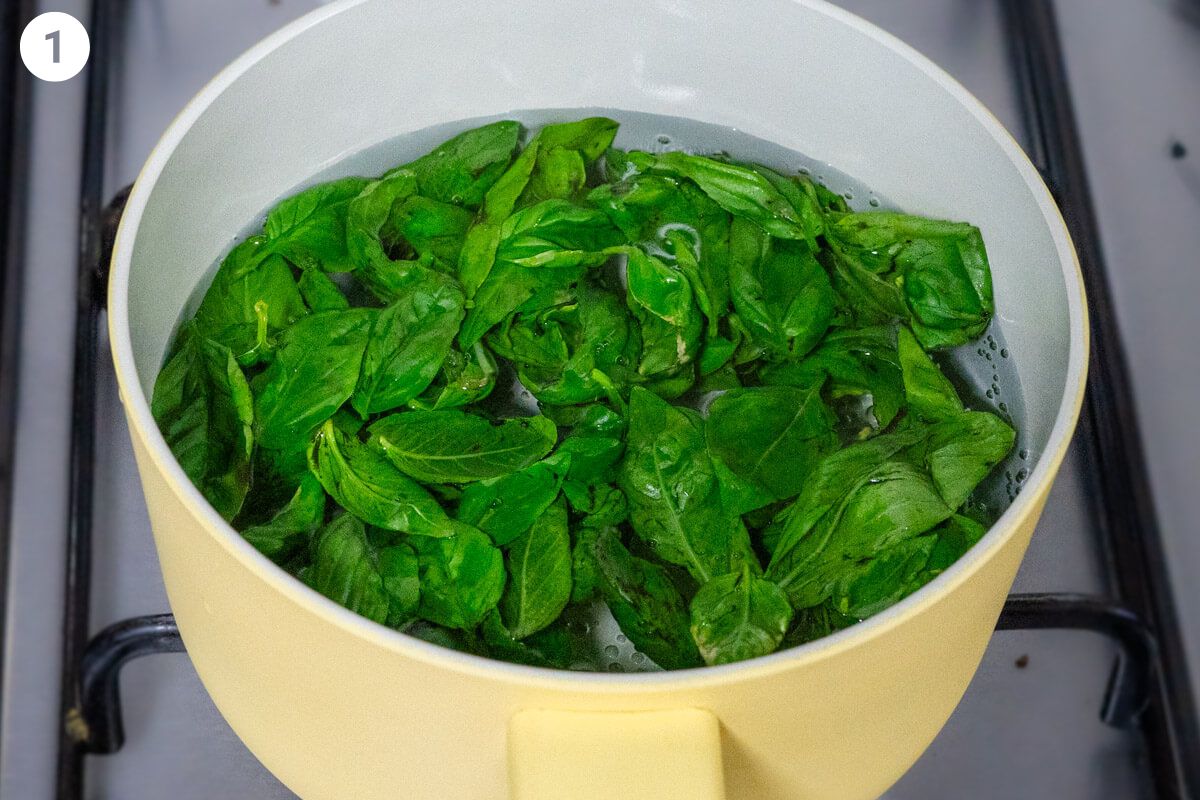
x,y
479,247
741,191
827,485
509,287
507,506
894,503
309,228
408,344
366,484
372,239
451,446
462,578
462,169
942,266
661,299
595,444
550,648
780,292
314,372
738,616
252,296
929,394
320,293
433,230
398,570
202,404
574,351
645,603
344,569
290,527
674,495
856,362
770,436
464,378
556,233
962,450
539,568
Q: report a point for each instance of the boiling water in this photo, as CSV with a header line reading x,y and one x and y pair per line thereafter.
x,y
983,372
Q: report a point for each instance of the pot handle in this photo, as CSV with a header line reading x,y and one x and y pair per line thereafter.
x,y
673,754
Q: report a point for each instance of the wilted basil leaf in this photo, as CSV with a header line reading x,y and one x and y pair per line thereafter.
x,y
408,344
451,446
204,409
366,484
539,569
314,372
738,616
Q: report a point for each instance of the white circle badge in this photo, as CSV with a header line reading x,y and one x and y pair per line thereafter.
x,y
55,46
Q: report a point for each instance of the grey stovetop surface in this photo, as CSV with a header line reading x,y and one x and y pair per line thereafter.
x,y
1031,732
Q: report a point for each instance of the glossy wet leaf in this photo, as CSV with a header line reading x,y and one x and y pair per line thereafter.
x,y
741,191
313,374
539,569
379,583
408,344
771,436
462,578
962,450
893,503
855,362
202,405
462,169
452,446
507,506
645,603
309,228
253,294
780,292
928,393
674,494
320,293
289,528
464,378
362,481
738,616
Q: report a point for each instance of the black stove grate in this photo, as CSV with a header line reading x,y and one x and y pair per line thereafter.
x,y
1149,689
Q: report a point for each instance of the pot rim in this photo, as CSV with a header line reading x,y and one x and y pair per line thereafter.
x,y
1027,503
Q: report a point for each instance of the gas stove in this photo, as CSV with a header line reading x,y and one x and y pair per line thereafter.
x,y
1085,690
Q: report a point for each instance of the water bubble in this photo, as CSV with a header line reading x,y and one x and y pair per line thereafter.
x,y
1004,352
1008,475
989,394
1003,408
804,171
621,638
637,658
615,667
664,139
874,202
996,388
988,356
612,651
992,343
848,195
980,351
1023,454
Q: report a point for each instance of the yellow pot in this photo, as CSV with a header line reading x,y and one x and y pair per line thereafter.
x,y
339,707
